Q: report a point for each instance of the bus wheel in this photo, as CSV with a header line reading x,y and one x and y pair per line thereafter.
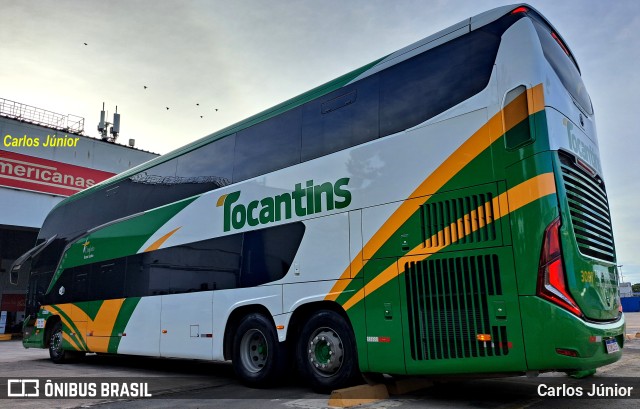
x,y
258,358
57,354
326,352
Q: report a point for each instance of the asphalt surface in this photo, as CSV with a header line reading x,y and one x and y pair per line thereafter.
x,y
198,384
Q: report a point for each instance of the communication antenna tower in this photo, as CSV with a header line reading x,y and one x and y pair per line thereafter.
x,y
103,126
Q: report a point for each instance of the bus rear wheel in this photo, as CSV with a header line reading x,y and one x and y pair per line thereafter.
x,y
326,353
57,354
259,359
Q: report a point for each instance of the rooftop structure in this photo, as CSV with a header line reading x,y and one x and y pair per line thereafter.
x,y
27,113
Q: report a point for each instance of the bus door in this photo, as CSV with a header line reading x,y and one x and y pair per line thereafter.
x,y
384,318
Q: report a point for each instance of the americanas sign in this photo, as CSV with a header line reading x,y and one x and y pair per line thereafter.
x,y
46,176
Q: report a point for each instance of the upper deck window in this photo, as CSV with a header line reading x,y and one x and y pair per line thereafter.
x,y
564,66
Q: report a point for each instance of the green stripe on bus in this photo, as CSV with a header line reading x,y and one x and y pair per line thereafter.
x,y
79,340
128,306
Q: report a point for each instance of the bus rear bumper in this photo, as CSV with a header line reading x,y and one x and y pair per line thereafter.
x,y
555,339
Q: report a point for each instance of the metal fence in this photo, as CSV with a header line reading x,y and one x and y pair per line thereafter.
x,y
38,116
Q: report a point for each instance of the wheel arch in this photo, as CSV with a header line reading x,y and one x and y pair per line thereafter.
x,y
297,320
305,311
50,323
233,321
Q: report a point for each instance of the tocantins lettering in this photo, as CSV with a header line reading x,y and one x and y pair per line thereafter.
x,y
584,151
302,201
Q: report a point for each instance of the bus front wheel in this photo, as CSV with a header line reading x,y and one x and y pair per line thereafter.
x,y
326,353
259,359
57,354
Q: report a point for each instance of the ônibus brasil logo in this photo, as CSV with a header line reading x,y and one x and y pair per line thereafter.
x,y
302,201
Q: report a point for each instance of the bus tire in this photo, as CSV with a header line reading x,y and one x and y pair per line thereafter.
x,y
259,359
326,352
57,354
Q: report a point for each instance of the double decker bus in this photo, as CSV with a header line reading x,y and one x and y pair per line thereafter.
x,y
438,211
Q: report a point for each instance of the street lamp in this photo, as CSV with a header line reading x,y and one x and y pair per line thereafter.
x,y
620,270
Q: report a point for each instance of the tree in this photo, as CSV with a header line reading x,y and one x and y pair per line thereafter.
x,y
636,288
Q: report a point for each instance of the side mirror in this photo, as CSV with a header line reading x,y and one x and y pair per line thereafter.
x,y
14,273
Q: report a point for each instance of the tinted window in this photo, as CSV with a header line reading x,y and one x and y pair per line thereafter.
x,y
149,189
341,119
80,290
268,146
210,164
419,88
267,254
201,266
107,279
62,292
47,260
163,173
137,276
564,67
239,260
38,284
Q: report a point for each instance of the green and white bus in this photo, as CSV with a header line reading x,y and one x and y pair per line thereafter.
x,y
438,211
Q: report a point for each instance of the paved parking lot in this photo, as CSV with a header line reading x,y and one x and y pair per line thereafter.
x,y
196,384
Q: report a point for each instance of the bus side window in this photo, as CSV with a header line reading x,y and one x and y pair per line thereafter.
x,y
137,276
81,283
267,254
210,165
267,146
341,119
206,265
412,91
107,279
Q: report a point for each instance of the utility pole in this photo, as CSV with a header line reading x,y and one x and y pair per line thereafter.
x,y
620,271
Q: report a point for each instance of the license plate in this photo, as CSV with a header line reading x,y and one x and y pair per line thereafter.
x,y
612,346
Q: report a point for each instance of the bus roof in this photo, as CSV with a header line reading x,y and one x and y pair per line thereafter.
x,y
434,40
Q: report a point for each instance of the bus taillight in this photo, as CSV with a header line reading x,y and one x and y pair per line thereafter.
x,y
551,278
520,10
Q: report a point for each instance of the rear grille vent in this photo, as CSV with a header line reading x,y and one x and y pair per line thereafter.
x,y
589,211
448,307
458,221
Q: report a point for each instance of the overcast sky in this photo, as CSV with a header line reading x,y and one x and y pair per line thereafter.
x,y
245,56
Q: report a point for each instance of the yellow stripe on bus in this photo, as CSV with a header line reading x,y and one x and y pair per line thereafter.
x,y
98,330
515,198
468,151
101,328
78,337
156,245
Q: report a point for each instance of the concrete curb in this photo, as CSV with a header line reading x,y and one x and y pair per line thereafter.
x,y
363,394
358,395
630,337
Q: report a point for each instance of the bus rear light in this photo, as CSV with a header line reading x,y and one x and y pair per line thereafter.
x,y
559,41
586,167
595,339
551,278
483,337
520,10
567,352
